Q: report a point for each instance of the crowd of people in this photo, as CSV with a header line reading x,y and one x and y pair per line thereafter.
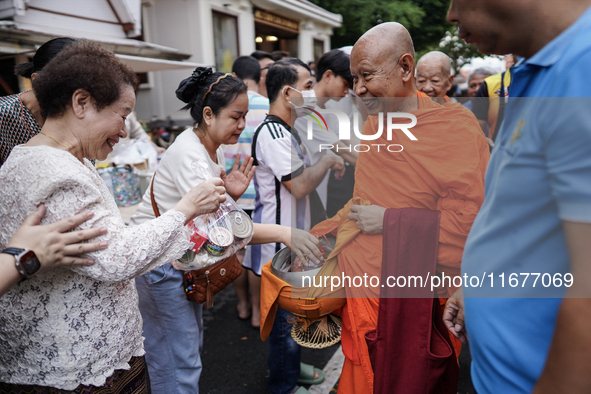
x,y
92,304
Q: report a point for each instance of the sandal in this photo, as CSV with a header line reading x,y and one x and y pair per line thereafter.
x,y
307,374
301,390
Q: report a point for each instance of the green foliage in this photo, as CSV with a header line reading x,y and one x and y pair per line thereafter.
x,y
425,19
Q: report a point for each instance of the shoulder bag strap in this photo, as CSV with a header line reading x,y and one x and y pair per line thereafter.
x,y
255,136
154,205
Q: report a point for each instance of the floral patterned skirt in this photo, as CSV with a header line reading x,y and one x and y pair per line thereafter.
x,y
134,380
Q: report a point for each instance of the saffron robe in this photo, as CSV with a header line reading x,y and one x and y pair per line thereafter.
x,y
449,103
443,170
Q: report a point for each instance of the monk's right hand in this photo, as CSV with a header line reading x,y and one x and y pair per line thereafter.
x,y
453,315
204,198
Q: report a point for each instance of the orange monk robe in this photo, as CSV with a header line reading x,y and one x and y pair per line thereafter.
x,y
450,104
444,170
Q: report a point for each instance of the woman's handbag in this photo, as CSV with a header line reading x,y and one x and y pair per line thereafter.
x,y
202,284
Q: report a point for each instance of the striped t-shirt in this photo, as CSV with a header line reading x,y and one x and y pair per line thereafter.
x,y
280,159
258,106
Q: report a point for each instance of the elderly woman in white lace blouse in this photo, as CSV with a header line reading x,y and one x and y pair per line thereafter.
x,y
79,326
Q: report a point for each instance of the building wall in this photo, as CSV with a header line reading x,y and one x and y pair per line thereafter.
x,y
310,31
187,25
173,23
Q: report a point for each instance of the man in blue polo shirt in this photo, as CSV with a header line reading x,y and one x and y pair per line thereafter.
x,y
536,216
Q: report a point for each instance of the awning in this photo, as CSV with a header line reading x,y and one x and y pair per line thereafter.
x,y
145,64
301,10
24,37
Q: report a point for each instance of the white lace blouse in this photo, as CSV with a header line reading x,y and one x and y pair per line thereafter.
x,y
75,325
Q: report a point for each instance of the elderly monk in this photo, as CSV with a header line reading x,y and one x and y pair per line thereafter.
x,y
443,170
434,76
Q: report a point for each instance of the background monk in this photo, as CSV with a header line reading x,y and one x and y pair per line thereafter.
x,y
434,76
443,170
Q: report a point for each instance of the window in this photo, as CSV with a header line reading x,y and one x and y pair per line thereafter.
x,y
225,38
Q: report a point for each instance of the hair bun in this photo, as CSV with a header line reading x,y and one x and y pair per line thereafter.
x,y
25,70
190,86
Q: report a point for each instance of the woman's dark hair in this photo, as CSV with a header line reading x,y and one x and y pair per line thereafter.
x,y
204,88
44,54
336,61
281,73
81,65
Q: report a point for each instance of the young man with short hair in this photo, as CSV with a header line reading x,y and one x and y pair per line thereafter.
x,y
265,61
334,80
285,183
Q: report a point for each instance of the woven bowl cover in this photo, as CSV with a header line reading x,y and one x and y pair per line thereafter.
x,y
318,334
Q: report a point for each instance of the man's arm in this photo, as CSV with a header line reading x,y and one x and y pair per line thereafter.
x,y
346,152
324,138
301,242
569,359
483,125
310,178
135,129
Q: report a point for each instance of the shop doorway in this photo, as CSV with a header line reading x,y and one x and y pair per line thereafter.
x,y
275,32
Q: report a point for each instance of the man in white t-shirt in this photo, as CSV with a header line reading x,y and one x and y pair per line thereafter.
x,y
285,186
334,79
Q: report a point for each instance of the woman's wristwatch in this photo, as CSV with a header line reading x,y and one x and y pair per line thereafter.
x,y
26,262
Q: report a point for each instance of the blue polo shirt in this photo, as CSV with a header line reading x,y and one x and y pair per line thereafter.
x,y
539,174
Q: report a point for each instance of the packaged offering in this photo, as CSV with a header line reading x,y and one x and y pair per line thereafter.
x,y
217,236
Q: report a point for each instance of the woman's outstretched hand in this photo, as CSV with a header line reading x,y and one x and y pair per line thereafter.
x,y
204,198
237,181
304,245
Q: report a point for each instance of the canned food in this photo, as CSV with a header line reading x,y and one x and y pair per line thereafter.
x,y
188,257
219,240
241,224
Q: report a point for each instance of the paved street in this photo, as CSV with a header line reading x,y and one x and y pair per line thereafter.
x,y
235,358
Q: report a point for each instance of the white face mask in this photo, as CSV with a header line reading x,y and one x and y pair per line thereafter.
x,y
309,97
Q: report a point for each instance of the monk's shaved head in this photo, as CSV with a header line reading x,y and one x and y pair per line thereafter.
x,y
435,59
382,64
434,75
389,37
